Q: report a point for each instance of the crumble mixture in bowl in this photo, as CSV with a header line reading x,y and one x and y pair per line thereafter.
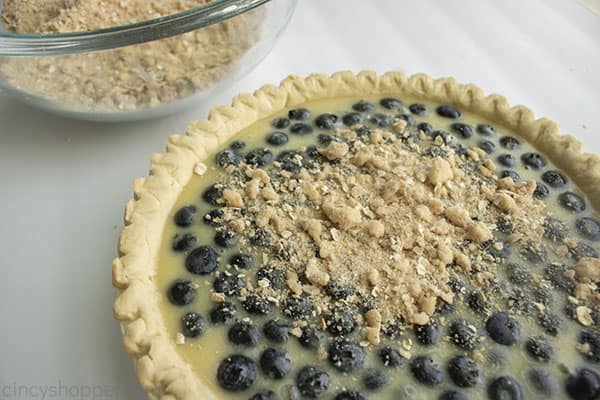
x,y
114,60
356,237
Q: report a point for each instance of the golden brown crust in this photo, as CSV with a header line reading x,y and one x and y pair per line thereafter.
x,y
161,372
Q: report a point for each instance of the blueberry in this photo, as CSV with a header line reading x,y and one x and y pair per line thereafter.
x,y
362,131
259,157
257,304
312,382
244,333
418,108
275,364
265,395
503,329
555,273
584,384
212,194
592,341
238,145
223,313
507,160
504,224
340,322
226,238
276,277
464,334
445,136
201,261
447,111
428,334
346,355
463,130
541,191
518,275
391,357
410,120
309,338
277,138
505,388
349,395
325,138
453,395
463,371
533,160
352,119
241,260
588,227
363,106
509,142
185,216
551,323
260,237
498,253
181,292
228,157
554,179
381,120
230,284
214,217
299,114
426,371
290,160
298,308
374,380
391,103
487,145
425,127
572,202
486,130
338,291
539,348
514,175
301,129
477,302
555,230
184,242
542,382
277,330
326,121
581,250
237,373
192,325
533,251
280,123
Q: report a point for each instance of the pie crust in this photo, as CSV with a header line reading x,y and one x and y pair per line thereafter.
x,y
160,370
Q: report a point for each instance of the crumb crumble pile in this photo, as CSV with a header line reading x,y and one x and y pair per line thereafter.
x,y
388,219
128,78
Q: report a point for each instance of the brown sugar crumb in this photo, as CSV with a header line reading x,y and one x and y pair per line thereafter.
x,y
440,172
232,198
376,228
458,216
588,269
335,150
478,232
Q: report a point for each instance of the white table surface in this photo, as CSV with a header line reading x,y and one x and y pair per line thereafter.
x,y
64,183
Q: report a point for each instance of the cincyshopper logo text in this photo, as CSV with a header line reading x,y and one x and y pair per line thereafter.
x,y
57,391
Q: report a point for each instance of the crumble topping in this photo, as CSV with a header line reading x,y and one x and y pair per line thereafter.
x,y
383,217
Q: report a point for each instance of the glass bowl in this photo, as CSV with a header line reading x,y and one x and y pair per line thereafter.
x,y
142,70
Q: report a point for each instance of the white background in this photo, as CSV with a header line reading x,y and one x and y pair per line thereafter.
x,y
64,183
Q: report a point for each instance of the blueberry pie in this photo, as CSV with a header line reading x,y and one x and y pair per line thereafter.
x,y
354,237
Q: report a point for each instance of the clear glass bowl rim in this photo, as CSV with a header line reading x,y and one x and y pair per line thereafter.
x,y
124,35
